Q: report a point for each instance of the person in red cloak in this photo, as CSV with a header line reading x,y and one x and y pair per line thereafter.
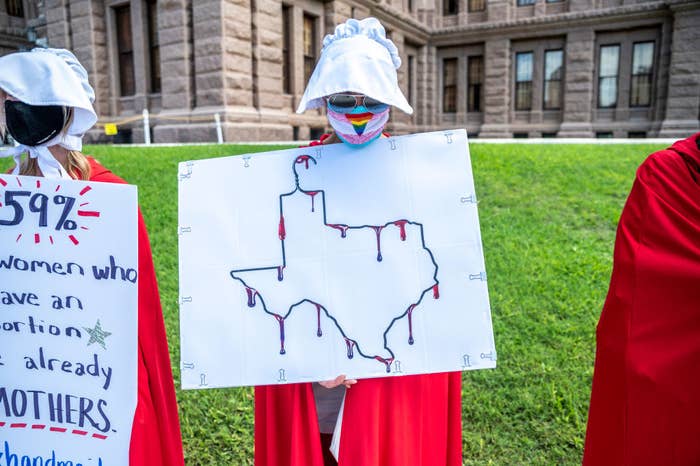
x,y
395,421
645,401
52,136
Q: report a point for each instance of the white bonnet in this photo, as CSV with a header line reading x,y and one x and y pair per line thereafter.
x,y
358,57
50,77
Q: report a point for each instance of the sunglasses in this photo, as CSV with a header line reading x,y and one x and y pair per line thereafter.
x,y
341,103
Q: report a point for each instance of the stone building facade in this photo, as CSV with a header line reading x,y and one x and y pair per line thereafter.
x,y
500,68
22,25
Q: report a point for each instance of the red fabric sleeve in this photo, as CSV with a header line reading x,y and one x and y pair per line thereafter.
x,y
286,426
645,401
406,420
155,438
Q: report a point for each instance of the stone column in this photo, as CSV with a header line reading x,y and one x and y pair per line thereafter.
x,y
268,53
578,84
683,102
209,39
660,92
58,24
420,110
140,49
176,55
224,65
89,44
430,107
497,84
267,71
178,92
335,12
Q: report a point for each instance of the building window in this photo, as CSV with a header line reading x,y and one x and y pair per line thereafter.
x,y
449,85
14,8
410,6
475,76
642,66
607,75
411,71
286,46
526,2
523,81
154,45
450,7
125,50
553,65
309,46
476,5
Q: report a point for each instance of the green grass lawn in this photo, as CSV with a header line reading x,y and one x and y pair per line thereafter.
x,y
548,217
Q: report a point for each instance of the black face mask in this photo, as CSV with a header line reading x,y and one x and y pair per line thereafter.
x,y
32,125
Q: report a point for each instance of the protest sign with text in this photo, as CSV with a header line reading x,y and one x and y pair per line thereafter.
x,y
68,321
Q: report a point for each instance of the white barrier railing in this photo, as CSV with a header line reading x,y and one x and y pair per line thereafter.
x,y
111,127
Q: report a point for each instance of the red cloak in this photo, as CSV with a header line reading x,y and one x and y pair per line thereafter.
x,y
645,402
389,421
155,437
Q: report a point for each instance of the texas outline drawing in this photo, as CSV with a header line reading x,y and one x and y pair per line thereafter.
x,y
352,344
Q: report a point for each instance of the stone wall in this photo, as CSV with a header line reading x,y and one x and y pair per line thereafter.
x,y
225,57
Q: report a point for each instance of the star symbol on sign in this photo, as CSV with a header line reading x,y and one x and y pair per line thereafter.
x,y
97,335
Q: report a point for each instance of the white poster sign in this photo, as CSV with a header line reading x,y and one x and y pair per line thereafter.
x,y
68,321
303,264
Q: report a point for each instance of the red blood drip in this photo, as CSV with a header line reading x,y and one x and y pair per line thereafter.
x,y
313,195
350,344
402,226
386,362
378,231
319,333
37,238
280,273
303,159
343,229
281,231
436,292
410,323
280,320
251,296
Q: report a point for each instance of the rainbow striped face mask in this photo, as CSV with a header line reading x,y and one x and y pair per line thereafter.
x,y
359,126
